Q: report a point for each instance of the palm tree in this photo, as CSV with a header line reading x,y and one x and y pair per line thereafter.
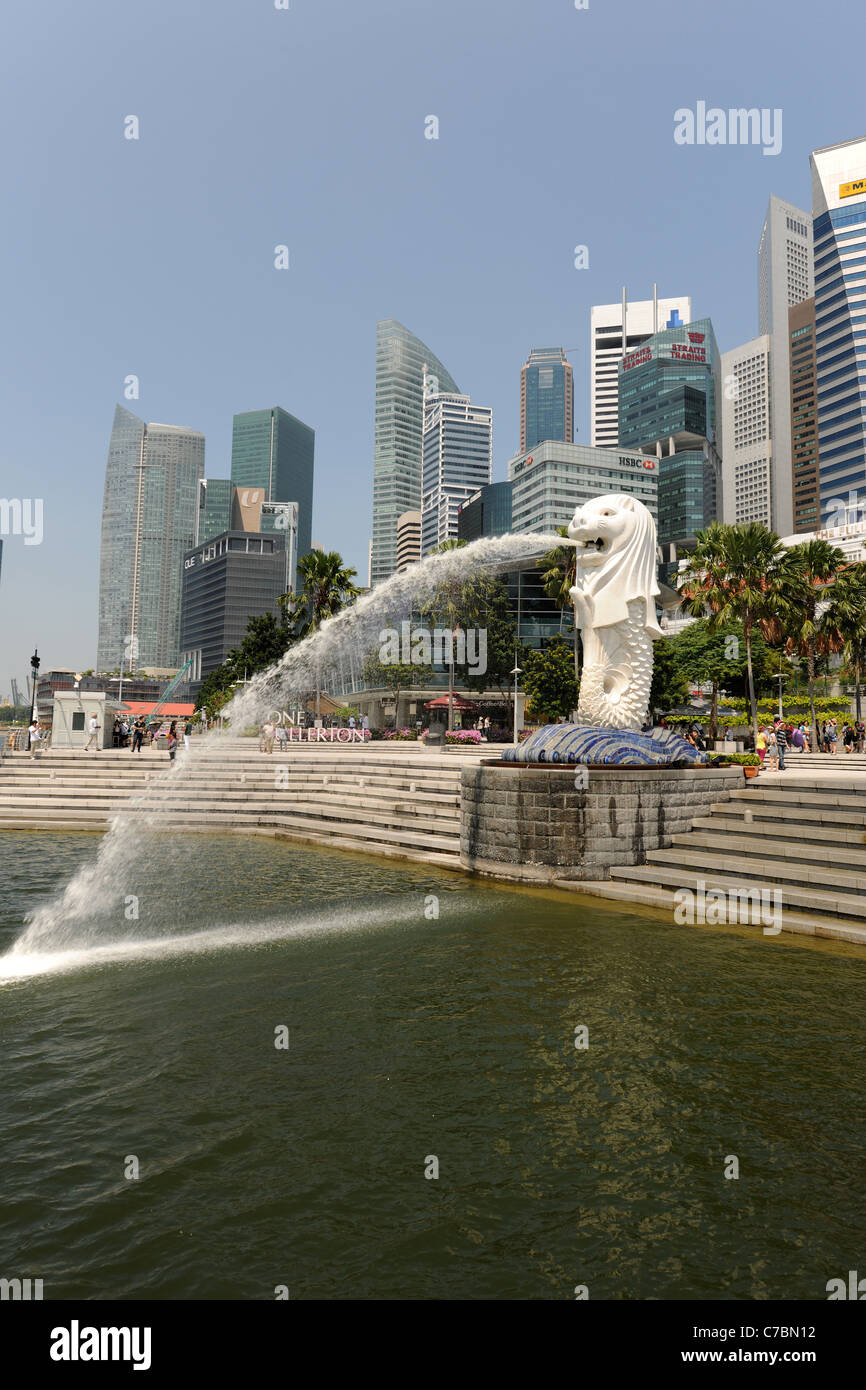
x,y
813,566
845,617
560,568
736,574
327,588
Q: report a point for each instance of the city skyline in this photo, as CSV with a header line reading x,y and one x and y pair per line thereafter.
x,y
93,310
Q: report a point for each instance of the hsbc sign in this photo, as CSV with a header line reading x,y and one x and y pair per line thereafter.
x,y
637,461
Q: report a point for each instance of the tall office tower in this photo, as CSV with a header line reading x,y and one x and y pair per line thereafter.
x,y
669,391
609,344
747,445
213,513
402,363
228,580
486,513
148,522
273,450
408,540
546,398
784,278
457,454
839,212
804,417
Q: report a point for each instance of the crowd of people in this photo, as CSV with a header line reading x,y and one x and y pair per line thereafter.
x,y
776,739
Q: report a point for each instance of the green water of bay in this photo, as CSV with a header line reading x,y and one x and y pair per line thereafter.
x,y
412,1037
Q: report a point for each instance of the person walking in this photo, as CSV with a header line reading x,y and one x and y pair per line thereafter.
x,y
365,724
93,733
138,733
187,733
282,737
351,721
761,746
831,731
172,740
268,731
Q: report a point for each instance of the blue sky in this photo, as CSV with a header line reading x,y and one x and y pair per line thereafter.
x,y
305,127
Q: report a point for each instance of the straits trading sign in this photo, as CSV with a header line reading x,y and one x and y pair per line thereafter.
x,y
853,190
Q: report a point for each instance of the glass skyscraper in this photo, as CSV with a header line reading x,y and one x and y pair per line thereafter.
x,y
274,450
402,361
546,398
148,522
839,227
214,508
669,390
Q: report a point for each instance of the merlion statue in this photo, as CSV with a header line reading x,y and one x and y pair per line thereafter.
x,y
615,585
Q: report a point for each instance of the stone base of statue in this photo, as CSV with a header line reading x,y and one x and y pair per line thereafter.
x,y
592,747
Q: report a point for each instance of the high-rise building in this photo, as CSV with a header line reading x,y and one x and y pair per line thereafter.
x,y
668,401
486,513
408,540
546,398
747,445
271,449
784,279
228,580
457,454
616,329
402,363
804,417
839,213
548,484
148,522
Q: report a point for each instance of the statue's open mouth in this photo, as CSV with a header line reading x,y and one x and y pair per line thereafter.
x,y
598,544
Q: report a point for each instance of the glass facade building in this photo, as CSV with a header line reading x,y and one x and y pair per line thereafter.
x,y
214,508
227,581
839,248
271,449
402,362
486,513
457,456
546,398
149,512
804,417
669,390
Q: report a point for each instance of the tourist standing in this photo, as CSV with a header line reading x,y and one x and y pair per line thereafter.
x,y
761,745
93,733
781,736
351,721
282,737
365,723
268,731
35,738
830,728
138,729
172,740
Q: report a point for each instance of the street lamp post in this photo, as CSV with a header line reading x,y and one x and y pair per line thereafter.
x,y
34,663
780,676
515,673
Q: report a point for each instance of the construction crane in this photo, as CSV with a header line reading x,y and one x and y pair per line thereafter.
x,y
169,690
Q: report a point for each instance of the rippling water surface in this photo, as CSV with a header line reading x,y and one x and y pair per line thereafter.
x,y
151,1034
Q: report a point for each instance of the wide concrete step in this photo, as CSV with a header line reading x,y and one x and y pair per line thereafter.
x,y
760,868
821,902
763,828
791,855
787,813
647,895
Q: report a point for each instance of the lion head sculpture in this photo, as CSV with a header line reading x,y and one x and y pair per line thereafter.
x,y
615,547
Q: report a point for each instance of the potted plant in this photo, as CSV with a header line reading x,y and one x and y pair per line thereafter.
x,y
749,762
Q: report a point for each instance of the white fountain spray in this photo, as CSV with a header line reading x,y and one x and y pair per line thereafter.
x,y
81,915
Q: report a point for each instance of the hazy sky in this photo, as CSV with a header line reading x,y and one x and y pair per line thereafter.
x,y
306,127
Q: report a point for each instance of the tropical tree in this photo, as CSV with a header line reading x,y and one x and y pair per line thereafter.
x,y
736,574
549,680
716,657
845,616
328,587
559,569
812,569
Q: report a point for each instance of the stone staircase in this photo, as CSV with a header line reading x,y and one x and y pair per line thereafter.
x,y
403,803
802,832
